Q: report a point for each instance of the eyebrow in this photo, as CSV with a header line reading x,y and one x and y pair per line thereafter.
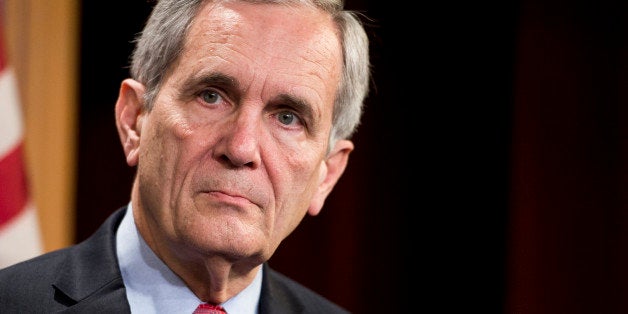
x,y
191,84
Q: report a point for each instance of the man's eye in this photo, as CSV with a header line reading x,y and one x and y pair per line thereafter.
x,y
287,117
209,96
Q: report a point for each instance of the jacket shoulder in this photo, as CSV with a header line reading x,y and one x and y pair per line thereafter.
x,y
30,280
61,278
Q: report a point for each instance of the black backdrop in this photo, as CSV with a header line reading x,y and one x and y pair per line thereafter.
x,y
421,214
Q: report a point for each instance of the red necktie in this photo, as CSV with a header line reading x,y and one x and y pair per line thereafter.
x,y
205,308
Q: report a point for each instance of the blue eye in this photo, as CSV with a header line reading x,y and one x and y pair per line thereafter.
x,y
209,96
286,117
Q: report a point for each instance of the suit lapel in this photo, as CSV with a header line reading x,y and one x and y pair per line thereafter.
x,y
273,298
90,279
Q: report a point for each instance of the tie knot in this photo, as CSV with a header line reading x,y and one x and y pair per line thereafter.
x,y
205,308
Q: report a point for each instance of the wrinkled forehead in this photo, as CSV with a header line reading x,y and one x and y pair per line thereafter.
x,y
304,27
296,45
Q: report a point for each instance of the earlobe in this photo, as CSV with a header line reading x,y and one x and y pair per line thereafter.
x,y
129,113
332,170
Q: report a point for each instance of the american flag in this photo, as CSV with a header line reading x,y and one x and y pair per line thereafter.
x,y
19,229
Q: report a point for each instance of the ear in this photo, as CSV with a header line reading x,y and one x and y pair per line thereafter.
x,y
129,114
331,171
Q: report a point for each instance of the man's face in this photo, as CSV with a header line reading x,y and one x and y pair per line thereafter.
x,y
234,152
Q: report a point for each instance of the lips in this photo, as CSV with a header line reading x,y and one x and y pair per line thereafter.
x,y
229,198
230,188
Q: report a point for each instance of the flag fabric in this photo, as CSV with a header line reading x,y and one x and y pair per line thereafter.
x,y
19,228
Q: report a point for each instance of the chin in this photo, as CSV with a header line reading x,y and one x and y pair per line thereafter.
x,y
230,242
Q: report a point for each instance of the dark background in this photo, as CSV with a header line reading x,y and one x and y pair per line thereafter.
x,y
489,169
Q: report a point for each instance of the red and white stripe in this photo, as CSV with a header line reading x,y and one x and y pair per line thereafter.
x,y
19,229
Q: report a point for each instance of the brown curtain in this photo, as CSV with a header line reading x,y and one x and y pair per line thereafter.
x,y
569,226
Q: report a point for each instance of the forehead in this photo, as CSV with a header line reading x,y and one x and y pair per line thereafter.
x,y
294,45
269,21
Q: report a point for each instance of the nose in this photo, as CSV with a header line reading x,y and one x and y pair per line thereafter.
x,y
239,145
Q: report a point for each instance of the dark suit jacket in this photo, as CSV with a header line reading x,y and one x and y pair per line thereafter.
x,y
85,278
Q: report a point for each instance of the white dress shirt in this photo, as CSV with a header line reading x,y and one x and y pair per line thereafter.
x,y
151,287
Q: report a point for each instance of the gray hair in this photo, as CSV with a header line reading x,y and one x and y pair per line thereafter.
x,y
161,43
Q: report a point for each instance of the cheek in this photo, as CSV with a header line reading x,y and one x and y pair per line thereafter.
x,y
297,185
166,135
162,144
297,197
153,170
